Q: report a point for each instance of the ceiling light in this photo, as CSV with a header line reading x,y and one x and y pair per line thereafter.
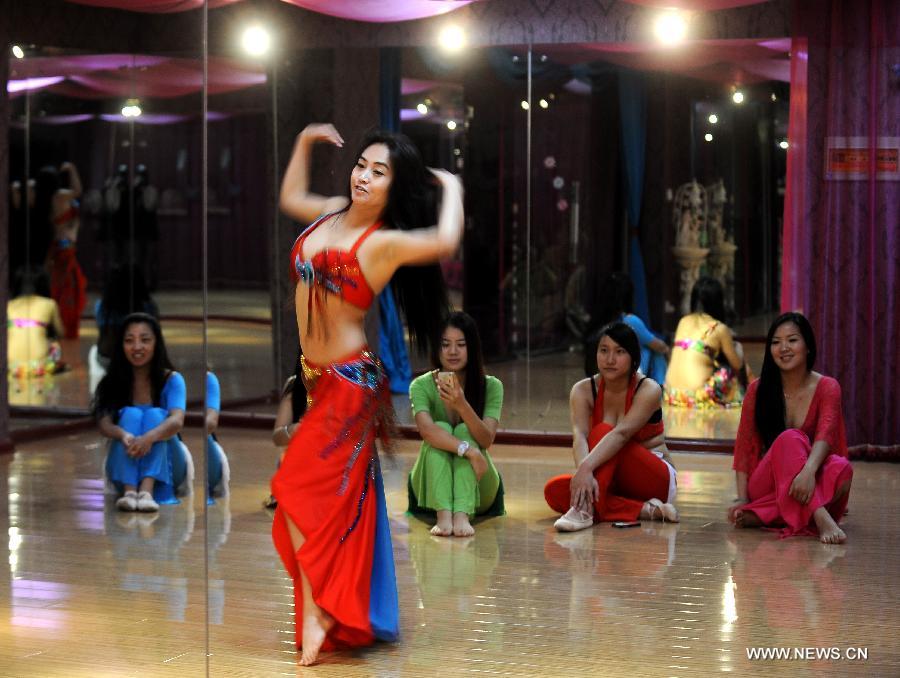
x,y
670,27
452,38
713,118
256,40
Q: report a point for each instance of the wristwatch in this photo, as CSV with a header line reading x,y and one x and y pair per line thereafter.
x,y
462,449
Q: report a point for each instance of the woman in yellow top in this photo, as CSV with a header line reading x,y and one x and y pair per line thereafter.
x,y
706,368
33,324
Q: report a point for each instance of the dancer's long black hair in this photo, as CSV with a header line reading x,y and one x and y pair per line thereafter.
x,y
116,389
476,384
420,290
707,296
297,388
616,298
770,409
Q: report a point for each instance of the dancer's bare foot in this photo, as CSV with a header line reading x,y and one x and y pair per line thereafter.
x,y
829,532
315,627
444,527
746,519
461,525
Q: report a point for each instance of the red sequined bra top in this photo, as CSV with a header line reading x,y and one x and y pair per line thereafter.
x,y
332,271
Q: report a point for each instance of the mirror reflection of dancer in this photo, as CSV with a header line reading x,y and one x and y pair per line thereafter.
x,y
331,527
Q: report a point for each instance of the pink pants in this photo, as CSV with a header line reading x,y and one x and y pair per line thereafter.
x,y
769,484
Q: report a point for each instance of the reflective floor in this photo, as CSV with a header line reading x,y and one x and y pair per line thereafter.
x,y
88,591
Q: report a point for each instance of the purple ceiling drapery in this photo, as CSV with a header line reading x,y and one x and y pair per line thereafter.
x,y
376,11
695,5
727,61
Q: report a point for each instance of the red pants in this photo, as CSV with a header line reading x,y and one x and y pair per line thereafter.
x,y
769,485
626,481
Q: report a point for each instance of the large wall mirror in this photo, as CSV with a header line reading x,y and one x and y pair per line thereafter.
x,y
106,174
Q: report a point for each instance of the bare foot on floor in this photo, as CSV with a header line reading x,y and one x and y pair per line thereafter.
x,y
461,525
829,532
746,519
315,628
444,527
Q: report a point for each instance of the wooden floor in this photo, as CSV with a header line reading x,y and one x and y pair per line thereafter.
x,y
89,591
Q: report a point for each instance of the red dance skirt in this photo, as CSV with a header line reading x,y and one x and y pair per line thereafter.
x,y
330,486
68,286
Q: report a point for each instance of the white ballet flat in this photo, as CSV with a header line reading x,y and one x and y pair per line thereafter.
x,y
573,521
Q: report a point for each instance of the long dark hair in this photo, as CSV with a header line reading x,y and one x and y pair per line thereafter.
x,y
297,388
116,389
616,298
707,296
476,384
30,280
420,290
46,184
770,409
625,337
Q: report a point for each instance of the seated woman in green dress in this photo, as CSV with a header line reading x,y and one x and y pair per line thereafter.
x,y
457,410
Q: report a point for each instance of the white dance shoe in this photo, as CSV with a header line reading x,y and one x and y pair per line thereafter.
x,y
574,520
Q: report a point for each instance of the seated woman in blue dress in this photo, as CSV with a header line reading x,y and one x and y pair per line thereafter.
x,y
614,305
217,468
140,405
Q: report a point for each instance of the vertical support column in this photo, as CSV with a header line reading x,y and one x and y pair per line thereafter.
x,y
5,442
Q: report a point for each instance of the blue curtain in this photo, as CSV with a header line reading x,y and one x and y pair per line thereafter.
x,y
633,116
392,345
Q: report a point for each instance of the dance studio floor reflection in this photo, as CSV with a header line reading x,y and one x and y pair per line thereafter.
x,y
89,591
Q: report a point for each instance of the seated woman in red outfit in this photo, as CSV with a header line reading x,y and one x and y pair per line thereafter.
x,y
790,455
623,467
331,527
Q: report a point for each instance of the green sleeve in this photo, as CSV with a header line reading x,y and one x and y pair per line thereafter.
x,y
493,397
422,394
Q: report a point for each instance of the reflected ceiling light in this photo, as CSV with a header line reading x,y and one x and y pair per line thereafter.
x,y
708,136
18,52
544,103
422,108
451,125
774,97
525,106
713,118
737,97
256,40
783,144
670,27
131,109
452,38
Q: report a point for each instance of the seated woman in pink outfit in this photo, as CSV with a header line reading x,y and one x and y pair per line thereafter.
x,y
790,455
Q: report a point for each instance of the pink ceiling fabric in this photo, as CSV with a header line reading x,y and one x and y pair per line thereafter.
x,y
727,61
123,75
692,5
375,11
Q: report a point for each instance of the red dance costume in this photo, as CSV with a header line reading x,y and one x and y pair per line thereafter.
x,y
630,478
68,286
329,483
771,472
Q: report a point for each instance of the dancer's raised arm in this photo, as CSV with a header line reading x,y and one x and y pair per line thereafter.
x,y
296,200
426,245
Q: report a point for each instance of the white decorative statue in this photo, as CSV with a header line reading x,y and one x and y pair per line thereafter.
x,y
689,220
721,243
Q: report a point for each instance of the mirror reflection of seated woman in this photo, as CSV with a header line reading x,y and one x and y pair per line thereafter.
x,y
291,408
457,419
140,405
218,471
33,325
623,469
706,368
790,454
